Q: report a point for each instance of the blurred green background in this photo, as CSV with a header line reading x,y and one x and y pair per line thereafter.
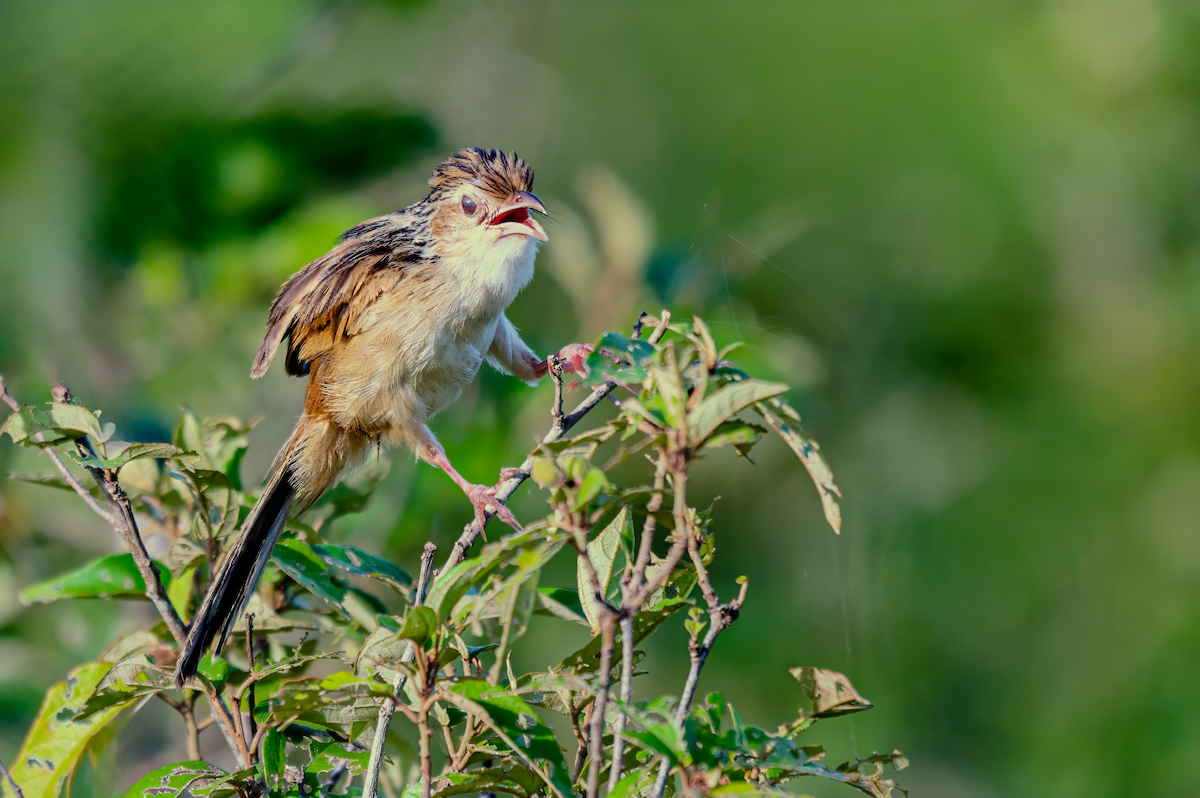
x,y
967,233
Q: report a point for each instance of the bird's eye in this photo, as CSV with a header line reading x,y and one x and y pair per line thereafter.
x,y
468,206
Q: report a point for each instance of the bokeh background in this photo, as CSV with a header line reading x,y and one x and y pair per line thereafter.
x,y
967,233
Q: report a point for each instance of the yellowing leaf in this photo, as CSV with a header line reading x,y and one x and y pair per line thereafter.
x,y
53,747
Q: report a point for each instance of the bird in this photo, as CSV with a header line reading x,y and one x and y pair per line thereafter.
x,y
389,326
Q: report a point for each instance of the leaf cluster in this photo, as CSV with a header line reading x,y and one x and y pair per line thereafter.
x,y
337,638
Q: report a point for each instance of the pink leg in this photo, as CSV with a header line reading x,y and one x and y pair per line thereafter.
x,y
572,356
483,498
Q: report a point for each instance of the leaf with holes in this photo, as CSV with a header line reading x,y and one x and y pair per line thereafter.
x,y
56,741
173,780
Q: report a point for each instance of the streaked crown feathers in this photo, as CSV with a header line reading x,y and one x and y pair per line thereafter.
x,y
495,172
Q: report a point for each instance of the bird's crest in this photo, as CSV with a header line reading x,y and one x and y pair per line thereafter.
x,y
498,173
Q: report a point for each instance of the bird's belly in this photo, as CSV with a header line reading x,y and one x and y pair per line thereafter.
x,y
398,376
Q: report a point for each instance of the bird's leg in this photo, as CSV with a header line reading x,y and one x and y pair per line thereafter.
x,y
483,498
572,357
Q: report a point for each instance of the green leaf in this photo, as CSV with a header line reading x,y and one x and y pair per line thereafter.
x,y
138,451
725,402
219,443
602,551
109,577
635,354
451,586
48,481
587,659
670,387
326,757
215,669
57,423
227,786
593,482
561,602
55,741
273,761
300,562
510,777
362,563
388,644
172,780
734,433
625,786
419,625
302,701
511,715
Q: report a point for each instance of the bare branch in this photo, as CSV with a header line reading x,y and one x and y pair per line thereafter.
x,y
599,705
618,749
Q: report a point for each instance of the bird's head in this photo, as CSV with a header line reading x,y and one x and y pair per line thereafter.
x,y
482,198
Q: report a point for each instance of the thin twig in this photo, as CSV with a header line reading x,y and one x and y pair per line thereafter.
x,y
719,619
423,733
508,487
581,746
250,670
388,707
629,588
618,749
67,476
599,704
11,782
229,728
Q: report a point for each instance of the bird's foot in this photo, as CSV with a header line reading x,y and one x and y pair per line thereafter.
x,y
483,499
508,472
572,357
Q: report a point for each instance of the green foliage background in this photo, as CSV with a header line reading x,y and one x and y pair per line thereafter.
x,y
967,231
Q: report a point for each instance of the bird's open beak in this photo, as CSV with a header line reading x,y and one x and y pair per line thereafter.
x,y
514,218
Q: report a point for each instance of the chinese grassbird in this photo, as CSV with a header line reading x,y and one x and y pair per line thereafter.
x,y
389,326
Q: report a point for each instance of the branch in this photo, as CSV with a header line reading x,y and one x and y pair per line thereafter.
x,y
508,487
4,771
250,670
720,617
119,516
618,749
599,704
388,707
67,476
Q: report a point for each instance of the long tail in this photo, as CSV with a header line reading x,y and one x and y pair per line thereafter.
x,y
308,463
237,577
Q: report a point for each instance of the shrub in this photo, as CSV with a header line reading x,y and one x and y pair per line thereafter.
x,y
306,691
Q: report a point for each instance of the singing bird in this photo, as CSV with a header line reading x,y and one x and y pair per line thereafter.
x,y
389,326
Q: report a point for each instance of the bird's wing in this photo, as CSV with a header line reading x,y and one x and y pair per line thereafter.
x,y
328,299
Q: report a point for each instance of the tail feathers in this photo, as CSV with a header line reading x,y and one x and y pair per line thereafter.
x,y
235,580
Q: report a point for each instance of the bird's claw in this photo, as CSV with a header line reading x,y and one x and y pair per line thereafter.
x,y
483,499
571,356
